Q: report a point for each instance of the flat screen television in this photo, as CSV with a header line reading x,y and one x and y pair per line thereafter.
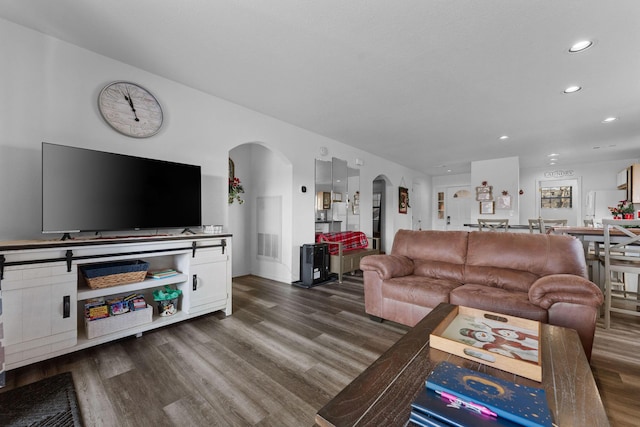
x,y
88,190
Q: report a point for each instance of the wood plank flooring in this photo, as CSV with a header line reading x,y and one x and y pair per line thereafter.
x,y
282,355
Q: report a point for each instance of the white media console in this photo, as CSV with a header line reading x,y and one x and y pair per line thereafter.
x,y
43,292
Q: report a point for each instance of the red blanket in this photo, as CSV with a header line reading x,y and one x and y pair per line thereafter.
x,y
350,240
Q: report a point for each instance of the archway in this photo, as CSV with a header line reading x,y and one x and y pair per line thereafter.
x,y
262,224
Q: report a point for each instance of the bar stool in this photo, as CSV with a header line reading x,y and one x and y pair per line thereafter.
x,y
621,255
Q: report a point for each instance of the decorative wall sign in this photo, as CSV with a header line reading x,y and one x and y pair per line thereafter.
x,y
559,173
232,169
487,208
484,193
504,200
403,200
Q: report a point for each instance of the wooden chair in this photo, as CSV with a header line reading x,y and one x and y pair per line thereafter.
x,y
494,224
621,256
534,224
593,258
546,224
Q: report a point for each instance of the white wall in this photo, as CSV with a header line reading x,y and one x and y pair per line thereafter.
x,y
240,214
502,175
593,176
50,91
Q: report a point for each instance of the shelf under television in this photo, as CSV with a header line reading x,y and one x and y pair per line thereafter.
x,y
85,292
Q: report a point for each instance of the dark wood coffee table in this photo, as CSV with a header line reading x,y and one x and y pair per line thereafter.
x,y
382,394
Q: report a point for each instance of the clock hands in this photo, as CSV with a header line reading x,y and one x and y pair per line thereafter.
x,y
127,97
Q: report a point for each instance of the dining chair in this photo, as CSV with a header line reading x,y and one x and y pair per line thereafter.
x,y
494,224
592,257
534,225
547,224
621,256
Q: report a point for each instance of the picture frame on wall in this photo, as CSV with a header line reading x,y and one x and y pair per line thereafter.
x,y
484,193
232,169
504,202
487,208
403,200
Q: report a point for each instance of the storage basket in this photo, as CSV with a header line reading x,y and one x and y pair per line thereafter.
x,y
167,307
111,324
167,300
109,274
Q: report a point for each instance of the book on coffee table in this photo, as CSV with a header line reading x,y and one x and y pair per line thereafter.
x,y
519,403
430,409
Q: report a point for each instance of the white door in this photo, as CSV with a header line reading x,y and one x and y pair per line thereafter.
x,y
453,208
560,199
459,201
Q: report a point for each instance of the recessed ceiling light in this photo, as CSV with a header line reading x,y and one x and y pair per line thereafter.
x,y
553,155
580,46
503,137
553,160
572,89
552,163
610,119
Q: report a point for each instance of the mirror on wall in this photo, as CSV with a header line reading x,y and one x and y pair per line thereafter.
x,y
336,184
353,207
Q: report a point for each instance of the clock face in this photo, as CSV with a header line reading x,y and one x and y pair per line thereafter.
x,y
130,109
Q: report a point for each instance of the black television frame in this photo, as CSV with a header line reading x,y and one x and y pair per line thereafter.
x,y
85,190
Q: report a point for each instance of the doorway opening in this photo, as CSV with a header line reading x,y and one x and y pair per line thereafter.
x,y
559,199
379,199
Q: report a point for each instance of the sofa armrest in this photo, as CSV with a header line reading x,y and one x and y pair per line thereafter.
x,y
387,266
567,288
571,302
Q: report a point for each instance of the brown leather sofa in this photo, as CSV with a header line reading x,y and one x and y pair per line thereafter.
x,y
535,276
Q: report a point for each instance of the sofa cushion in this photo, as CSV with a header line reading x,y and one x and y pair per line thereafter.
x,y
350,240
438,270
418,290
513,303
442,246
504,278
539,254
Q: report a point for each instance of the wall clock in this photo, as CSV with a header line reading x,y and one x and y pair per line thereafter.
x,y
130,109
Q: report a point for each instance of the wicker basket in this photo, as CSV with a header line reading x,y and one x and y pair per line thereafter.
x,y
109,274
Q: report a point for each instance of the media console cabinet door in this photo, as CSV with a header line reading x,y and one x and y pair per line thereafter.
x,y
208,287
39,305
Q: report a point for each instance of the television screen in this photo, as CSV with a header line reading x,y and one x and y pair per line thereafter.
x,y
87,190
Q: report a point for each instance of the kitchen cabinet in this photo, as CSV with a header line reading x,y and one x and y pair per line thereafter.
x,y
629,179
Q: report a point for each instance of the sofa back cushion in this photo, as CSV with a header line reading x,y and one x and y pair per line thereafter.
x,y
438,254
515,260
497,277
439,270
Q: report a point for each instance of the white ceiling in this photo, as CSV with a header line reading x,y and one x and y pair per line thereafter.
x,y
424,83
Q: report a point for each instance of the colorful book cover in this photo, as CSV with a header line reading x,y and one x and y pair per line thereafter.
x,y
519,403
438,409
